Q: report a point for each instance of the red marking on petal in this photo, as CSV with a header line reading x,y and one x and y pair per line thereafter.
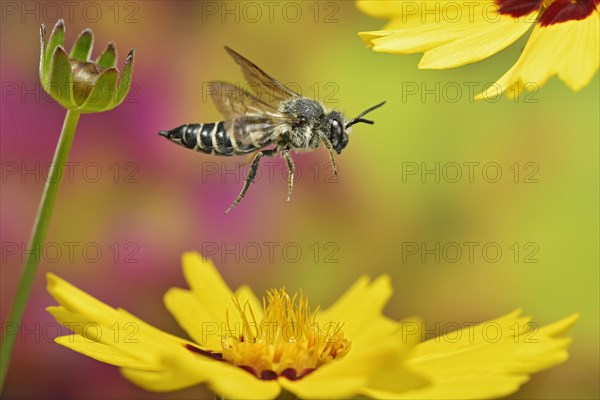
x,y
293,375
518,8
306,372
290,373
248,369
205,353
567,10
268,375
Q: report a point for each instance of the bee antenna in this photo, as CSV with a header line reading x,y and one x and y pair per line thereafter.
x,y
359,118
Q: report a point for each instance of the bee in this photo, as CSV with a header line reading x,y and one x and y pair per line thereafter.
x,y
277,116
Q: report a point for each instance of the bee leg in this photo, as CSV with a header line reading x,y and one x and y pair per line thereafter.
x,y
290,163
251,175
333,163
329,148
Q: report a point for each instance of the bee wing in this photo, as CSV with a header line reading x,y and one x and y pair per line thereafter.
x,y
251,122
268,89
252,132
233,101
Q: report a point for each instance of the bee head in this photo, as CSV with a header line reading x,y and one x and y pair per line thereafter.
x,y
339,129
336,131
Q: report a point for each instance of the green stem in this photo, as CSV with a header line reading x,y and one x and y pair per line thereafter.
x,y
36,241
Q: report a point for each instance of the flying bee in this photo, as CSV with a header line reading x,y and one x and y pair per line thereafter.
x,y
277,116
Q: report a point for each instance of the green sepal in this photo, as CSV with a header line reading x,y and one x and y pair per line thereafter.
x,y
83,46
42,53
103,93
126,78
77,83
60,84
57,38
108,58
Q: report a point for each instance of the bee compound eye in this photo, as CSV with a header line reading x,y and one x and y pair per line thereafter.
x,y
336,133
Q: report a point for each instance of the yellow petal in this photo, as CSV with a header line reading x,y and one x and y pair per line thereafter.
x,y
91,310
150,358
449,33
97,321
213,294
187,310
337,380
125,337
164,380
383,8
198,321
105,353
77,301
235,383
226,380
175,372
350,375
368,37
559,328
489,360
376,344
398,377
202,276
568,49
475,46
360,308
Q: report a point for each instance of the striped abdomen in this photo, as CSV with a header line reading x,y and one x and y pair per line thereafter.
x,y
209,138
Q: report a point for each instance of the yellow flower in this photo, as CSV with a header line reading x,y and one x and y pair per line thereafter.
x,y
565,40
244,349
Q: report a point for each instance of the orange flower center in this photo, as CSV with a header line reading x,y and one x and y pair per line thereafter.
x,y
287,341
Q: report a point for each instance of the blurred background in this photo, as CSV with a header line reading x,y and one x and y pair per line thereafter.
x,y
473,208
